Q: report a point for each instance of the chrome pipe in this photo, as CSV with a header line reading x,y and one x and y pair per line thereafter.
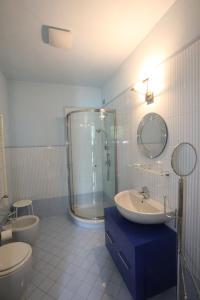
x,y
179,240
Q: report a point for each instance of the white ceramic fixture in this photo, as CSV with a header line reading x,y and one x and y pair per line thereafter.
x,y
15,270
60,38
24,229
132,206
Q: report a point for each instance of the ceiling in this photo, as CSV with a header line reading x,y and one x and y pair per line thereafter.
x,y
105,32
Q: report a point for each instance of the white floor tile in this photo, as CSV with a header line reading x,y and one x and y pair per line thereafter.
x,y
72,263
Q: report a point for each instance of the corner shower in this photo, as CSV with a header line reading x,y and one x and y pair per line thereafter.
x,y
91,156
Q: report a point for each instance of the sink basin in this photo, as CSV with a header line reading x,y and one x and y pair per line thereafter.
x,y
135,208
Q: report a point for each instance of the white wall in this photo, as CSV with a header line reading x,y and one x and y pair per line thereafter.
x,y
4,111
177,94
37,151
170,57
4,105
37,110
37,172
176,29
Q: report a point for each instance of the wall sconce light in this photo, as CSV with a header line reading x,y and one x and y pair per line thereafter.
x,y
149,96
139,88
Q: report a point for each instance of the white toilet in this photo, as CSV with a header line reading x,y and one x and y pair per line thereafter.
x,y
15,270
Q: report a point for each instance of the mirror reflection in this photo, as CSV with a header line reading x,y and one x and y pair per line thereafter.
x,y
152,135
184,159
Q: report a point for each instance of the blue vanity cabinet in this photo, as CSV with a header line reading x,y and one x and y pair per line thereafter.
x,y
145,255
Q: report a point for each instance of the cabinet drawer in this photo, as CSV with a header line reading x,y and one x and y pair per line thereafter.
x,y
144,255
109,238
125,269
110,244
121,241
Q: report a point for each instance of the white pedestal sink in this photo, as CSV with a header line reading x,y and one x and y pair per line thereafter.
x,y
135,208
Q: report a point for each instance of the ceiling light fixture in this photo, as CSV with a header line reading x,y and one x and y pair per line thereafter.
x,y
56,37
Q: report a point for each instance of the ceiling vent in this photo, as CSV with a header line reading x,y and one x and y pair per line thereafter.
x,y
56,37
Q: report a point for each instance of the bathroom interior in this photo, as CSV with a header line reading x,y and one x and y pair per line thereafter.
x,y
99,150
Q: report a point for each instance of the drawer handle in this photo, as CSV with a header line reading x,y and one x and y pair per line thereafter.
x,y
123,260
109,238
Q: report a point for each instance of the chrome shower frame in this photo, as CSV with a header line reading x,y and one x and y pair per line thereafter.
x,y
69,155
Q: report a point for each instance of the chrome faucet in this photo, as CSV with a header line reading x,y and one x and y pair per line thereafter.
x,y
145,192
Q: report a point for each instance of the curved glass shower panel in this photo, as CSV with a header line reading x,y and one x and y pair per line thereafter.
x,y
86,165
90,159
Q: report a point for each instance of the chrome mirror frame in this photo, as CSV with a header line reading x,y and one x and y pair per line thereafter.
x,y
164,135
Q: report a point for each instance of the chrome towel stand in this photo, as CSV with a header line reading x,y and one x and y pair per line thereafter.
x,y
183,161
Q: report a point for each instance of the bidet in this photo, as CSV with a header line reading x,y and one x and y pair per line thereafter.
x,y
24,229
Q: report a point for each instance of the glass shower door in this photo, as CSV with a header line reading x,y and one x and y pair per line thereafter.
x,y
91,161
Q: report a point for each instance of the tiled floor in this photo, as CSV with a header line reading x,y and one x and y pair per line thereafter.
x,y
70,262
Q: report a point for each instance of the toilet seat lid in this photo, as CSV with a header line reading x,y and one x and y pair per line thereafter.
x,y
13,254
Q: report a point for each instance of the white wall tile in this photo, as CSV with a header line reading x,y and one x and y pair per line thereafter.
x,y
178,103
37,172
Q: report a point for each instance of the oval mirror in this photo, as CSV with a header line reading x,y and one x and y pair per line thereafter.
x,y
184,159
152,135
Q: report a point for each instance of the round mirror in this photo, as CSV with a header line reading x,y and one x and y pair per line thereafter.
x,y
184,159
152,135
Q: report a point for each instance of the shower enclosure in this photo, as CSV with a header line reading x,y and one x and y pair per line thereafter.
x,y
91,162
